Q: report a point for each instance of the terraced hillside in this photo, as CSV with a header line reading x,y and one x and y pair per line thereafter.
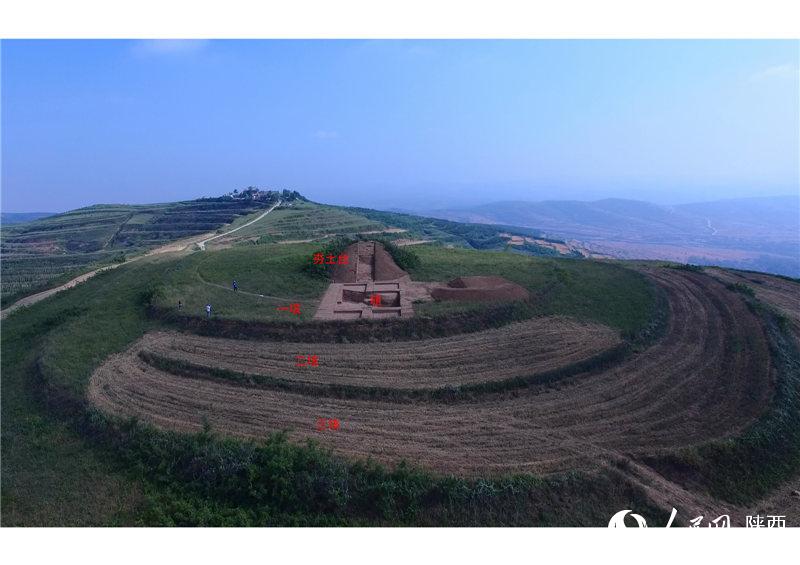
x,y
36,253
303,221
543,344
779,292
612,386
688,388
474,236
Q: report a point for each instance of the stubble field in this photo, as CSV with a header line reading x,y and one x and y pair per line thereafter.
x,y
707,378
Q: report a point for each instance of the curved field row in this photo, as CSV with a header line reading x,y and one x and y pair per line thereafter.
x,y
517,350
782,294
707,378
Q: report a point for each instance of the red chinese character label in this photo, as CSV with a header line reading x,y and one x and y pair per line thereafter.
x,y
293,308
375,299
330,259
307,361
327,424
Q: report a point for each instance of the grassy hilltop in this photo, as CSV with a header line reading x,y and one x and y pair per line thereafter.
x,y
47,251
60,469
54,473
66,463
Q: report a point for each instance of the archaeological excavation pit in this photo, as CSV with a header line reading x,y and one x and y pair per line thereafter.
x,y
371,285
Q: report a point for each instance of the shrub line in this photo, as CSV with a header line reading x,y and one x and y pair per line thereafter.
x,y
449,394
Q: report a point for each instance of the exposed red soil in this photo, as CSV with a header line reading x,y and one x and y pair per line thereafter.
x,y
345,273
707,378
371,264
367,261
480,289
384,267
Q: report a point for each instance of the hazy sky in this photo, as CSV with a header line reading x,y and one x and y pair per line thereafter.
x,y
412,124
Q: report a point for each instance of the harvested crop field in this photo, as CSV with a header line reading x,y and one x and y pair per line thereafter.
x,y
708,377
517,350
781,294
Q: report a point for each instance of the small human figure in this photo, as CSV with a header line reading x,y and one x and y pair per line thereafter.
x,y
180,305
235,286
208,310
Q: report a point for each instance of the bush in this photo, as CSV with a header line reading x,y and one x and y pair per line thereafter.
x,y
743,288
688,267
405,258
152,294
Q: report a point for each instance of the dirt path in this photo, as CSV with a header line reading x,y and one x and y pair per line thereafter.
x,y
707,378
172,247
255,294
34,298
202,244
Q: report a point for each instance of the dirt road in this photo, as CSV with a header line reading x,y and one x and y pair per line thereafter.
x,y
172,247
202,244
34,298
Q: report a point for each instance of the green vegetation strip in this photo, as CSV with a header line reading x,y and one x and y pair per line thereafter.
x,y
332,331
90,464
36,252
200,479
635,306
449,394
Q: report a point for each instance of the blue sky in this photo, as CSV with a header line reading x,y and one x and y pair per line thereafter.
x,y
410,124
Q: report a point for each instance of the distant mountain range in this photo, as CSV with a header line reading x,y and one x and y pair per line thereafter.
x,y
761,234
8,218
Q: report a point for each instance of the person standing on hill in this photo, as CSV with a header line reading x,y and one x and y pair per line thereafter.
x,y
208,310
235,286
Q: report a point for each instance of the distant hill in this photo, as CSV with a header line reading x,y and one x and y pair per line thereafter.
x,y
37,253
750,233
8,218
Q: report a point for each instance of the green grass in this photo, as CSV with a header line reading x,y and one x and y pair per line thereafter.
x,y
37,252
80,468
306,220
742,288
50,476
64,465
589,290
458,234
40,275
275,271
